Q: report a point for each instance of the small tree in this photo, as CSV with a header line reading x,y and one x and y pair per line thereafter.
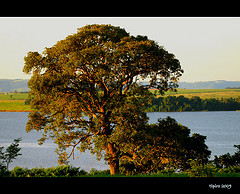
x,y
11,153
87,89
165,144
226,160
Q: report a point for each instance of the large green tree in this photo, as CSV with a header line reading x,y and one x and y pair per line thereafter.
x,y
87,91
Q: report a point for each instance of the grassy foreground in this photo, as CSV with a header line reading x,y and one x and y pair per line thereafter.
x,y
69,171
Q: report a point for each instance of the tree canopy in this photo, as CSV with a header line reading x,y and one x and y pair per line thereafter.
x,y
87,91
164,145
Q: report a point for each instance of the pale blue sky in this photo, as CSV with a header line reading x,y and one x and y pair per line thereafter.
x,y
208,48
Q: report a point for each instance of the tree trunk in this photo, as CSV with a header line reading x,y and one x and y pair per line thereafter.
x,y
113,161
114,166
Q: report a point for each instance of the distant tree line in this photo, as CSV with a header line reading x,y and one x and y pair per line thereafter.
x,y
181,103
232,87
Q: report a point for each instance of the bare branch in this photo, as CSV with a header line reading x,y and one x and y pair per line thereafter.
x,y
81,139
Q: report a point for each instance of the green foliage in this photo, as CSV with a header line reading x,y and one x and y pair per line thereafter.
x,y
95,172
225,165
181,103
86,89
164,145
226,160
230,170
59,171
169,172
10,153
198,169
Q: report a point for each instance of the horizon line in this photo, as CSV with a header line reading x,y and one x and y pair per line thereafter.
x,y
178,81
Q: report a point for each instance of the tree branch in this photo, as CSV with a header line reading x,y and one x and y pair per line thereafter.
x,y
81,139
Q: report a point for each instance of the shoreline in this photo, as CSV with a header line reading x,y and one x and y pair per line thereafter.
x,y
147,111
15,111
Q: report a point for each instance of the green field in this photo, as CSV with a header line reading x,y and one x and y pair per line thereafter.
x,y
206,93
14,105
15,101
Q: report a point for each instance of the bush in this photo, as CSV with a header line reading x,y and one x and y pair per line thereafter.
x,y
19,172
95,172
198,169
230,169
4,172
166,171
228,160
59,171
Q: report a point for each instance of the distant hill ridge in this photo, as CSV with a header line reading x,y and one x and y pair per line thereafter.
x,y
11,85
20,85
218,84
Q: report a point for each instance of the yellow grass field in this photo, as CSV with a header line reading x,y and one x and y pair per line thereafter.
x,y
13,102
14,106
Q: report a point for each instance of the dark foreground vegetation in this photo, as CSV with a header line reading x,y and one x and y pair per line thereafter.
x,y
196,170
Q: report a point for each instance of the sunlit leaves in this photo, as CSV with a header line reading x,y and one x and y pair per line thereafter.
x,y
87,92
166,144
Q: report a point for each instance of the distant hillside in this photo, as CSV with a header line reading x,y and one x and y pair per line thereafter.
x,y
219,84
10,85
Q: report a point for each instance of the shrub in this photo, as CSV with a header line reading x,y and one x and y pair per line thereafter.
x,y
228,160
95,172
4,172
198,169
19,172
65,171
166,171
230,169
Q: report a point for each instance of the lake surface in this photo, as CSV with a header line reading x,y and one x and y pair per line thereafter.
x,y
221,128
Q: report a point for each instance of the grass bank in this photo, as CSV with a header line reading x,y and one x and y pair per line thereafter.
x,y
14,102
14,106
69,171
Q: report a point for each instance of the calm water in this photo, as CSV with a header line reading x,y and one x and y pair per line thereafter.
x,y
221,128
